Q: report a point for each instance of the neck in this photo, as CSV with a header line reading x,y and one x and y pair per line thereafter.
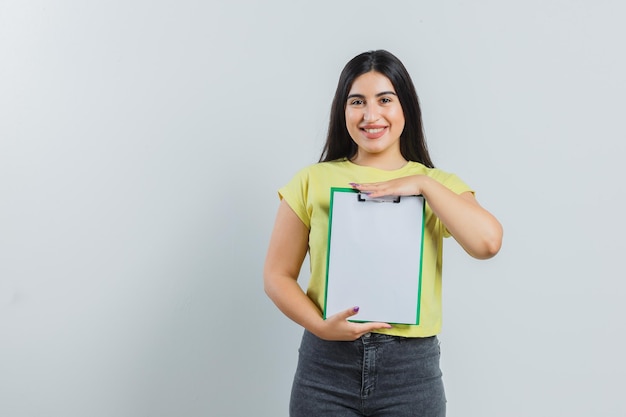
x,y
380,162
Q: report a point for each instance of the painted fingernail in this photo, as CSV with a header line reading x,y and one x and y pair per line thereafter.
x,y
354,184
356,309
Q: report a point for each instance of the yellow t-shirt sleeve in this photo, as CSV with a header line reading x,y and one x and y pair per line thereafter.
x,y
453,183
295,193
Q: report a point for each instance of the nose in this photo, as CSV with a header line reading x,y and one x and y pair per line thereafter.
x,y
370,114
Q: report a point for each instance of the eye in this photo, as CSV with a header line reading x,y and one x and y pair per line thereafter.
x,y
385,100
356,102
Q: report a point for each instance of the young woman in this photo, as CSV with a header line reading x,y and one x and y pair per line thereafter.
x,y
376,145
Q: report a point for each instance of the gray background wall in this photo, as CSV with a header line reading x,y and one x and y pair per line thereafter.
x,y
141,146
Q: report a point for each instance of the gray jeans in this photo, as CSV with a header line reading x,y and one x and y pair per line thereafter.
x,y
375,376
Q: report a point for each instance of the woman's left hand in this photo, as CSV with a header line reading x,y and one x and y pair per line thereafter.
x,y
411,185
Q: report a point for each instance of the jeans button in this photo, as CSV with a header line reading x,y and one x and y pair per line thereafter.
x,y
367,335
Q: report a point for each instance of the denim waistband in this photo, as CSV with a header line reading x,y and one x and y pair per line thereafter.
x,y
386,338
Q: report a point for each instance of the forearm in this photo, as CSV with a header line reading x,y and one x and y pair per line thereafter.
x,y
476,230
288,296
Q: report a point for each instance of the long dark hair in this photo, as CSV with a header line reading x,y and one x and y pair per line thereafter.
x,y
340,145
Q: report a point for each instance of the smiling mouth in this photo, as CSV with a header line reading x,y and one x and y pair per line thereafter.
x,y
373,132
376,130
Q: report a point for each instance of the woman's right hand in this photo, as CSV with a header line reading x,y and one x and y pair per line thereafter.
x,y
337,327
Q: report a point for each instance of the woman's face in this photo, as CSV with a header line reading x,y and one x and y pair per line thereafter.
x,y
374,117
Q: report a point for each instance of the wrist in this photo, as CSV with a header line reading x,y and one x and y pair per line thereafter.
x,y
316,325
424,183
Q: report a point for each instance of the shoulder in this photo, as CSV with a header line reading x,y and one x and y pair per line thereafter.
x,y
322,169
417,168
449,179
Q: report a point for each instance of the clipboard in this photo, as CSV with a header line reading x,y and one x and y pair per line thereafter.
x,y
374,257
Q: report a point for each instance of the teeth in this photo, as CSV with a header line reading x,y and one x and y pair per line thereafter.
x,y
374,130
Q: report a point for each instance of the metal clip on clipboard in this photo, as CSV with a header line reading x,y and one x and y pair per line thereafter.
x,y
381,199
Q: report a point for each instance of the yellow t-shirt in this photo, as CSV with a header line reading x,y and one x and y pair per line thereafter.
x,y
308,194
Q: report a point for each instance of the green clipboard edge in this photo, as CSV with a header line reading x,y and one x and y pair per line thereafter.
x,y
330,223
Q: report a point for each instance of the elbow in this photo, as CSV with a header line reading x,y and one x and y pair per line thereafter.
x,y
271,284
269,291
267,285
485,252
490,250
490,245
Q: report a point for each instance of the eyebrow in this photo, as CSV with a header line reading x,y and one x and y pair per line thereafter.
x,y
384,93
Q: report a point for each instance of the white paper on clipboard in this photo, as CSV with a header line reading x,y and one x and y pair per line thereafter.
x,y
375,256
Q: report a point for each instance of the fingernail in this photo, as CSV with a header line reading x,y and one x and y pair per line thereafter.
x,y
356,309
354,184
